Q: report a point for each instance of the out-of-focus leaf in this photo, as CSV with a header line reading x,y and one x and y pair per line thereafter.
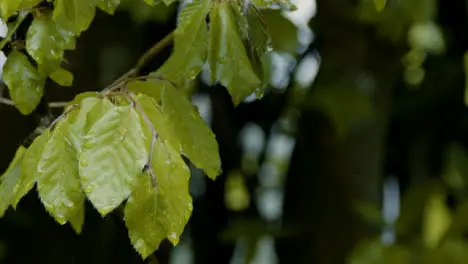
x,y
437,219
236,196
380,4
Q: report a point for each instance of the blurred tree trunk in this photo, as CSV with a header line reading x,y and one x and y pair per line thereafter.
x,y
322,187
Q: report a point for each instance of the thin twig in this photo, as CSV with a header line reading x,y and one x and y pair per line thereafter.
x,y
5,101
119,82
153,51
64,114
141,63
154,136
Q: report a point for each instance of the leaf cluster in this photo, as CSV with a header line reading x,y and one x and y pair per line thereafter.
x,y
124,146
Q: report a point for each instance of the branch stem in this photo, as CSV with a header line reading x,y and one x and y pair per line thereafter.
x,y
144,60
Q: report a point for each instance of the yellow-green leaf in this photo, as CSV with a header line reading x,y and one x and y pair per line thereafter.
x,y
227,56
9,181
9,7
197,141
62,77
112,158
25,83
153,214
74,15
29,166
58,182
190,43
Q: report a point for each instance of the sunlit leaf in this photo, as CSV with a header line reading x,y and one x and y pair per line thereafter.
x,y
155,213
9,181
25,83
58,182
62,77
108,6
236,196
227,56
74,15
197,141
46,43
112,158
9,7
190,42
437,219
29,166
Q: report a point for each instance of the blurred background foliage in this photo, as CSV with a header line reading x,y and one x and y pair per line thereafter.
x,y
355,154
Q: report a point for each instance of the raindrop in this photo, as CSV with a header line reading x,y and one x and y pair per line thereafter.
x,y
88,189
84,163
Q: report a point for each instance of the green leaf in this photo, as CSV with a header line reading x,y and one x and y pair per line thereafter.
x,y
9,181
197,141
46,43
255,34
25,83
58,182
151,88
62,77
9,7
190,43
227,56
108,6
160,122
74,15
153,214
112,158
29,166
